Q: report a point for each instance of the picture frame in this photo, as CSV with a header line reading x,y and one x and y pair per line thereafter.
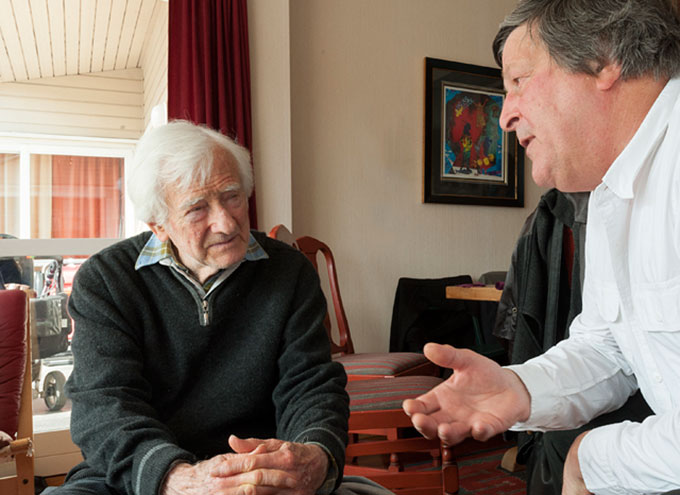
x,y
469,159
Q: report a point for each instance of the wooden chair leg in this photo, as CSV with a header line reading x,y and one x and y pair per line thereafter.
x,y
449,471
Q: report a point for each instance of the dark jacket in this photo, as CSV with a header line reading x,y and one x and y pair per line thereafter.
x,y
151,386
540,297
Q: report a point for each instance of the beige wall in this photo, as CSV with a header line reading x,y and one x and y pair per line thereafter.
x,y
356,93
268,27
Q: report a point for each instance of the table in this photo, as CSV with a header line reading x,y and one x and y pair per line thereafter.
x,y
474,293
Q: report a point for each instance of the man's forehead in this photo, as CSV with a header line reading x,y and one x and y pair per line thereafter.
x,y
523,46
520,39
194,196
223,177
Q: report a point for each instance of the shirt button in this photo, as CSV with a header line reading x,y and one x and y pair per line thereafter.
x,y
658,378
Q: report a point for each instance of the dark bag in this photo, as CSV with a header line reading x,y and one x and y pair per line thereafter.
x,y
51,324
543,478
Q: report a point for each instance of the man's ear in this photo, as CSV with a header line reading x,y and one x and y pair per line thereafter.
x,y
608,76
159,230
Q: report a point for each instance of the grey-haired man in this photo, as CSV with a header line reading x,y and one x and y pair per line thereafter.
x,y
594,96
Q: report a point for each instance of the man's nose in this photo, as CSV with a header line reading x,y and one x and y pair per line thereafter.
x,y
222,220
509,114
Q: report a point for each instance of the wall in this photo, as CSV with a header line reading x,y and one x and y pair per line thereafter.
x,y
154,61
268,28
357,92
105,104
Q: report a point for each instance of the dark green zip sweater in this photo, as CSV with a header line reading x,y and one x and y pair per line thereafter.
x,y
151,385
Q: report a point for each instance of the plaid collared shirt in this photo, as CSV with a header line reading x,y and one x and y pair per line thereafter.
x,y
157,251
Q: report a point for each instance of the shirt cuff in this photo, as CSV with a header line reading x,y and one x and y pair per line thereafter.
x,y
541,388
328,484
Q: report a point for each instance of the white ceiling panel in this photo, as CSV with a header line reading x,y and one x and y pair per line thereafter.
x,y
86,40
55,16
127,32
10,38
41,31
48,38
24,25
72,35
113,39
140,33
101,32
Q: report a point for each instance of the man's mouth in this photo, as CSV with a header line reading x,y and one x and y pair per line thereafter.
x,y
525,142
222,241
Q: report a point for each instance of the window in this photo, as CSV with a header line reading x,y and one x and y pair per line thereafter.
x,y
61,196
61,200
9,196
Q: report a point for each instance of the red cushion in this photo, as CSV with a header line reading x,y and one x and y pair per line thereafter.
x,y
12,357
381,394
380,363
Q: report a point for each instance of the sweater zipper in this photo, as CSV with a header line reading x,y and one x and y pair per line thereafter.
x,y
203,307
206,313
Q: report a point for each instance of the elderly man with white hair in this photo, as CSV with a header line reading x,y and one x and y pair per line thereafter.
x,y
201,363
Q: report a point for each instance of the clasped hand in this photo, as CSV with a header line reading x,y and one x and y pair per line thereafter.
x,y
258,467
480,399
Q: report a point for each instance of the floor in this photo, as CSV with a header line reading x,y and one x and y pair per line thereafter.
x,y
479,468
480,474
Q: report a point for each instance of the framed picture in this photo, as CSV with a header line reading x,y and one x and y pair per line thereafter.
x,y
469,159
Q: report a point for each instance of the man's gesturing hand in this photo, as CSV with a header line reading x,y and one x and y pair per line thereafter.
x,y
259,466
480,399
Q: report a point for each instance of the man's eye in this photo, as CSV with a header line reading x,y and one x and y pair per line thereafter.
x,y
194,209
517,81
234,198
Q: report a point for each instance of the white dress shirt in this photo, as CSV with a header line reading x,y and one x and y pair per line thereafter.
x,y
628,333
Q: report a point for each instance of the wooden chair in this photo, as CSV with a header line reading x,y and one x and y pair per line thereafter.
x,y
384,446
281,233
378,426
16,413
365,365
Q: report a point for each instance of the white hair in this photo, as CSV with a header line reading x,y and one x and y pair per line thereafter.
x,y
179,153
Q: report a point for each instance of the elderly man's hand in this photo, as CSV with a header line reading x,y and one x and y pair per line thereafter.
x,y
293,468
259,466
13,286
573,483
480,399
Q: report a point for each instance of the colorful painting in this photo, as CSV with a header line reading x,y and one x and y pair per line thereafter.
x,y
469,159
473,138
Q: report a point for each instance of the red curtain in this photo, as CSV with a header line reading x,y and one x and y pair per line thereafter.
x,y
209,68
86,197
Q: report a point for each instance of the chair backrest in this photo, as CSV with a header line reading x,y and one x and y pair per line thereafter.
x,y
12,357
16,414
310,247
281,233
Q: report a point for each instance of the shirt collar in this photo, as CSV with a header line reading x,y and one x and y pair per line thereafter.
x,y
620,177
157,251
